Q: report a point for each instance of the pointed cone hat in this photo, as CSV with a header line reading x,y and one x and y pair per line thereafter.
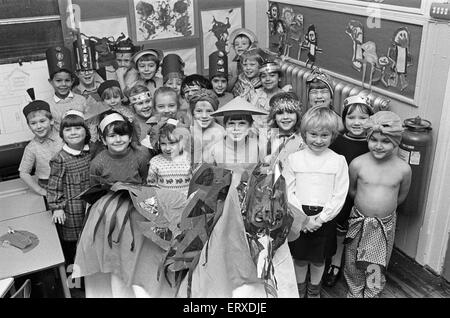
x,y
238,106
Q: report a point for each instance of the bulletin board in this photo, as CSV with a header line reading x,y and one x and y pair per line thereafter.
x,y
340,39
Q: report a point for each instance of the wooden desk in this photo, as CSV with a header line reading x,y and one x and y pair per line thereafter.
x,y
46,254
16,200
5,286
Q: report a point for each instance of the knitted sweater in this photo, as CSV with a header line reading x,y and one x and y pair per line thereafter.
x,y
58,107
131,167
170,173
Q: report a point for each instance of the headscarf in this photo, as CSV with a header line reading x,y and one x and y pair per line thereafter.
x,y
387,123
204,95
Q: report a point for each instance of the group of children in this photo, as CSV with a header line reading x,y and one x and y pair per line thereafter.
x,y
133,126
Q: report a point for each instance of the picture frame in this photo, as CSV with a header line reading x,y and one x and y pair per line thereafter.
x,y
216,25
153,23
336,50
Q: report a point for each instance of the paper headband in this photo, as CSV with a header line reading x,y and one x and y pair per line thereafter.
x,y
74,112
356,99
270,68
109,119
140,97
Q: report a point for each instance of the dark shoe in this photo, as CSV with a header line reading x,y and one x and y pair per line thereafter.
x,y
302,289
313,291
332,276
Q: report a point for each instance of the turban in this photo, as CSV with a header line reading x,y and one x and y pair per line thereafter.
x,y
387,123
204,95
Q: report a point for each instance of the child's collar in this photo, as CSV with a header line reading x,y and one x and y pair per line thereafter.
x,y
74,152
57,99
52,135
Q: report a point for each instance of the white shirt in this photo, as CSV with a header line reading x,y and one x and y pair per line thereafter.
x,y
317,180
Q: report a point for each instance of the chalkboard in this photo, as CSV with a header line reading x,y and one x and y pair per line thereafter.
x,y
336,48
10,9
20,40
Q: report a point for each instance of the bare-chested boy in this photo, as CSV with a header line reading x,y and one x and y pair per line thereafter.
x,y
379,182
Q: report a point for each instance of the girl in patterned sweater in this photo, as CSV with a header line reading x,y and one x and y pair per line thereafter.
x,y
172,168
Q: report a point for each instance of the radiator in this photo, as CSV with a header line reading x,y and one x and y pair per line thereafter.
x,y
296,76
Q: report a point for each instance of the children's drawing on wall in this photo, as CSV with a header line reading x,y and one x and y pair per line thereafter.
x,y
355,31
294,27
162,19
220,31
273,15
217,25
389,69
310,44
286,30
400,59
370,59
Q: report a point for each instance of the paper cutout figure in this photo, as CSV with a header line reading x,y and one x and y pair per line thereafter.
x,y
355,31
400,57
311,44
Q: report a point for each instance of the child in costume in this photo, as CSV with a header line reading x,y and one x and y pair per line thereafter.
x,y
320,91
124,51
69,176
86,69
379,182
239,150
111,95
43,147
121,160
171,169
204,129
218,75
317,184
144,66
351,144
270,75
241,40
227,267
284,121
141,102
172,70
248,81
62,76
192,83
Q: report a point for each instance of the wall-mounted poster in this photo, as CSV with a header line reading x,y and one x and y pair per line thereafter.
x,y
386,57
163,19
217,25
189,56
